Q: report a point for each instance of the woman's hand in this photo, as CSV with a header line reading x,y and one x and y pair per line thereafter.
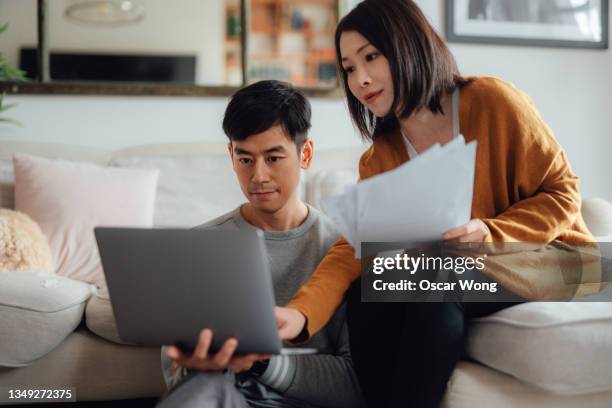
x,y
474,231
290,322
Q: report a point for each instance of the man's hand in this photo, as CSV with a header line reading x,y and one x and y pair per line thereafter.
x,y
202,361
474,231
290,322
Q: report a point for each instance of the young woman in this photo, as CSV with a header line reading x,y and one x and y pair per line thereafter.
x,y
405,94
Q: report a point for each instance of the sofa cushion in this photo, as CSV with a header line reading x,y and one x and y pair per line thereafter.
x,y
37,312
328,183
23,246
597,214
191,189
331,171
68,199
100,318
7,184
564,348
474,385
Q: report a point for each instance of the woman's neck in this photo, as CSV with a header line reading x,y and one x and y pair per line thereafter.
x,y
424,128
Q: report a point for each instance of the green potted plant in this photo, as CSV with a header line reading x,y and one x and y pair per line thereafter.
x,y
8,73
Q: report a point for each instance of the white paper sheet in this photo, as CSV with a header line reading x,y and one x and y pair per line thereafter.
x,y
416,202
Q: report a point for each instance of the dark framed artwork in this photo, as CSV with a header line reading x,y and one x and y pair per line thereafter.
x,y
543,23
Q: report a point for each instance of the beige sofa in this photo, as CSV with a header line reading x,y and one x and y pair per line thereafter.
x,y
544,356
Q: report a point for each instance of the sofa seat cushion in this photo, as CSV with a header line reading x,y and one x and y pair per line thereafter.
x,y
96,368
565,348
37,312
474,385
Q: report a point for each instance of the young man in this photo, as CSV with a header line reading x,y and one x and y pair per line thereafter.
x,y
267,125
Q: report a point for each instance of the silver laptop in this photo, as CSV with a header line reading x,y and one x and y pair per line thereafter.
x,y
166,285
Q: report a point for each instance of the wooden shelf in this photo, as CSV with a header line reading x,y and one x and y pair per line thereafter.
x,y
285,55
292,2
279,31
281,19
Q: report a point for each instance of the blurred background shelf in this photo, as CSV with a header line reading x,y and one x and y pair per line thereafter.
x,y
292,40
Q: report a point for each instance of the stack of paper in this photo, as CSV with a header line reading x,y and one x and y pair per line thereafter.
x,y
417,202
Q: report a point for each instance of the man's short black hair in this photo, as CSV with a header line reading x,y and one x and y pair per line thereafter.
x,y
264,104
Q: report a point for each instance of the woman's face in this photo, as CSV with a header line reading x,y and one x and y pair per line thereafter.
x,y
368,73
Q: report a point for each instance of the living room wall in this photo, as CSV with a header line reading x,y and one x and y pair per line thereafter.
x,y
571,87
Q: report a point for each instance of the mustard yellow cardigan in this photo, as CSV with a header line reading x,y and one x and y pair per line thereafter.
x,y
524,187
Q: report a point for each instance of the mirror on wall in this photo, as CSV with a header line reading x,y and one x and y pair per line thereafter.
x,y
193,45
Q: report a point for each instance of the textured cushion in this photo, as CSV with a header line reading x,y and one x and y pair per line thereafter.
x,y
68,199
597,214
564,348
100,318
37,312
22,244
191,190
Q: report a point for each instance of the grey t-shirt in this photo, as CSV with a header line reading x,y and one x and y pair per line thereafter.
x,y
322,380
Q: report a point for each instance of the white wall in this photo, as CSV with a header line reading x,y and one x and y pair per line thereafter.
x,y
572,88
21,34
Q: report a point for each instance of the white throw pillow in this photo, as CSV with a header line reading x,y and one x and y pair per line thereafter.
x,y
68,199
565,348
191,189
328,183
37,312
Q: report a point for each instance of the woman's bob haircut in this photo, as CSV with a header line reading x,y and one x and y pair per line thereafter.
x,y
422,67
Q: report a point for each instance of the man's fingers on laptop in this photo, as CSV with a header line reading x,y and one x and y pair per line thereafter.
x,y
173,352
200,359
223,356
204,340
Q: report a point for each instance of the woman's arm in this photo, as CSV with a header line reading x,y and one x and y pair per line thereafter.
x,y
319,298
551,210
543,191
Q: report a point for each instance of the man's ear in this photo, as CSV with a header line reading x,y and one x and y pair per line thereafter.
x,y
306,154
230,150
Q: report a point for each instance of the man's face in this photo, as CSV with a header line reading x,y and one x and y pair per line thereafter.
x,y
268,168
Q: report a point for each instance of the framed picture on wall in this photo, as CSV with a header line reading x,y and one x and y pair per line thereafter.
x,y
547,23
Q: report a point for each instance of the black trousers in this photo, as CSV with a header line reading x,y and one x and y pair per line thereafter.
x,y
405,353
